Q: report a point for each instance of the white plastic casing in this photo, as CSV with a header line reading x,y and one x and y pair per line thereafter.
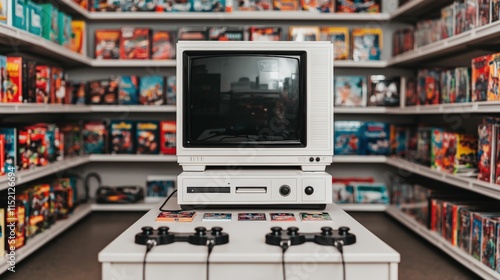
x,y
319,112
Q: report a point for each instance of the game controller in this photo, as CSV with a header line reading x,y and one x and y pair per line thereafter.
x,y
162,236
327,237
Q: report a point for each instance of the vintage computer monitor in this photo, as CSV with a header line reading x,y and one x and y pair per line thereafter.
x,y
255,123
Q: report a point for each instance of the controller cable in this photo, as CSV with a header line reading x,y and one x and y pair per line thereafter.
x,y
210,246
166,200
284,247
151,243
340,247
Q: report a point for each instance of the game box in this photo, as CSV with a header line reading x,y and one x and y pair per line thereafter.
x,y
78,40
9,150
348,138
43,83
304,33
339,37
50,25
128,88
223,33
255,5
493,94
377,138
147,137
480,77
462,76
207,5
158,187
486,150
122,137
107,44
134,43
95,136
171,90
384,91
168,137
265,33
163,44
13,83
197,33
350,91
285,5
367,44
152,90
358,6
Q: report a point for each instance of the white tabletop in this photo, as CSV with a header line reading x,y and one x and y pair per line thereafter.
x,y
247,241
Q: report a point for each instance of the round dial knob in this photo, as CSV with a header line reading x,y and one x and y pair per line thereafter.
x,y
276,230
163,230
216,230
309,190
343,230
200,230
285,190
293,230
326,231
147,230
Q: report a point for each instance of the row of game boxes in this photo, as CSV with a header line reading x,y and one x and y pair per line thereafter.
x,y
359,191
126,90
362,91
323,6
44,20
459,17
489,151
465,220
143,43
36,209
26,147
439,86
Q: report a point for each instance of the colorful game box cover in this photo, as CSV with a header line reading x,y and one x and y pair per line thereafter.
x,y
128,87
122,141
493,94
367,44
163,45
315,216
78,29
9,150
42,84
497,156
3,77
173,6
358,6
197,33
471,12
402,135
342,193
411,93
371,193
39,213
255,5
466,154
216,217
265,33
348,138
451,85
168,137
304,33
432,89
443,85
377,138
464,229
105,6
57,88
134,43
483,14
424,146
50,26
447,22
107,44
111,93
384,91
437,154
478,219
152,89
285,5
480,76
144,5
13,83
322,6
421,90
95,136
350,91
485,152
63,197
498,245
462,75
34,18
147,137
175,216
208,5
78,93
19,217
65,30
52,138
96,91
495,16
171,90
83,3
159,187
251,216
339,37
489,241
282,217
72,137
18,14
2,232
29,78
222,33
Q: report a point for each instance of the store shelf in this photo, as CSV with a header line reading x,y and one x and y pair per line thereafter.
x,y
132,108
487,34
416,8
359,159
16,38
26,176
471,184
41,239
360,64
129,63
133,158
360,110
141,206
465,259
75,8
238,16
363,207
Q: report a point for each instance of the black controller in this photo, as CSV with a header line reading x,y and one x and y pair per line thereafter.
x,y
327,236
162,236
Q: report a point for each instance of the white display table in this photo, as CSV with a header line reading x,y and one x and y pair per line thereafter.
x,y
247,256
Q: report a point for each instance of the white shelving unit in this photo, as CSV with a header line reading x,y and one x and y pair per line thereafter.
x,y
359,159
41,239
25,176
25,108
72,5
133,158
363,207
120,63
141,206
132,108
414,8
454,252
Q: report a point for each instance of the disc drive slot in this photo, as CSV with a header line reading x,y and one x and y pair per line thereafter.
x,y
251,190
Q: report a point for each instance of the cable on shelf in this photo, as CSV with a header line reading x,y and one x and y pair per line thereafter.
x,y
284,247
149,246
166,200
210,246
339,246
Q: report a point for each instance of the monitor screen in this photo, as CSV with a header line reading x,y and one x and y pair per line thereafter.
x,y
244,99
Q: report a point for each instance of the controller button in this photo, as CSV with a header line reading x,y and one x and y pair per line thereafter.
x,y
309,190
326,231
343,230
200,231
293,230
216,230
147,230
285,190
163,230
276,230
